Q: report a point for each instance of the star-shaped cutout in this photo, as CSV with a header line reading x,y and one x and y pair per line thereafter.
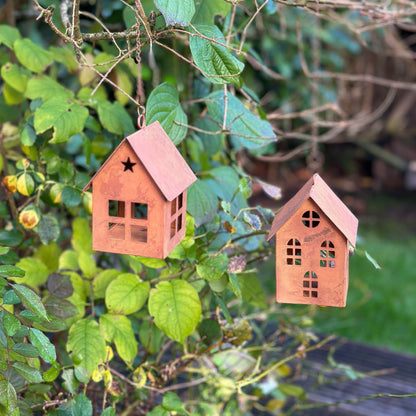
x,y
128,165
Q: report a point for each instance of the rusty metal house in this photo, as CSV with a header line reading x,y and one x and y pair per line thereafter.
x,y
139,196
315,232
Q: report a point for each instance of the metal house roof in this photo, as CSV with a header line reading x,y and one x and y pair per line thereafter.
x,y
161,159
325,198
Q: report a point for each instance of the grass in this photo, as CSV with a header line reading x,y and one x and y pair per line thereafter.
x,y
381,306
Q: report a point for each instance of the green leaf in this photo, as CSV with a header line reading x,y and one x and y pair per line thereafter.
x,y
176,12
158,411
206,10
36,272
86,344
48,229
210,331
26,350
81,406
30,374
28,135
10,298
155,335
10,238
202,202
70,382
251,289
68,260
4,250
25,184
11,271
11,324
215,61
252,220
246,129
163,105
82,236
87,265
8,35
176,307
102,281
171,401
16,76
52,373
60,285
31,301
114,118
118,329
8,396
65,117
71,196
150,262
108,412
126,294
65,55
212,268
60,308
41,342
31,55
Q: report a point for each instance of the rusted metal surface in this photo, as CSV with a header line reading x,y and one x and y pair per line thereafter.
x,y
139,196
313,233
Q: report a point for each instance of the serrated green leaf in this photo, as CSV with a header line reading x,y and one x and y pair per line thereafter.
x,y
118,329
8,396
81,236
246,129
81,406
46,88
10,298
102,281
163,105
206,10
202,202
8,35
11,271
52,373
11,324
26,350
70,383
212,268
176,12
16,76
63,116
86,344
31,55
114,118
48,229
176,307
30,374
126,294
215,61
36,272
31,301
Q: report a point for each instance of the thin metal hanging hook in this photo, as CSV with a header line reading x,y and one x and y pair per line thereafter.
x,y
140,95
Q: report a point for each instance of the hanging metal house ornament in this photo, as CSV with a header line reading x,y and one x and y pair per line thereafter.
x,y
139,196
315,232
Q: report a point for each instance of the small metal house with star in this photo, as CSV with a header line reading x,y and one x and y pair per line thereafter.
x,y
139,196
314,234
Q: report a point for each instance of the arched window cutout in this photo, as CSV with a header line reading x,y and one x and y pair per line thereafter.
x,y
310,219
310,285
293,252
327,254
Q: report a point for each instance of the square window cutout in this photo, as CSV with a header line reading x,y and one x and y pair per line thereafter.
x,y
116,208
116,231
139,210
138,233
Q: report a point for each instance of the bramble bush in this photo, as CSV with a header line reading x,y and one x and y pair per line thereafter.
x,y
84,332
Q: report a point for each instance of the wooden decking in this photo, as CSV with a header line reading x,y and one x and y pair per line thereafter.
x,y
393,373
